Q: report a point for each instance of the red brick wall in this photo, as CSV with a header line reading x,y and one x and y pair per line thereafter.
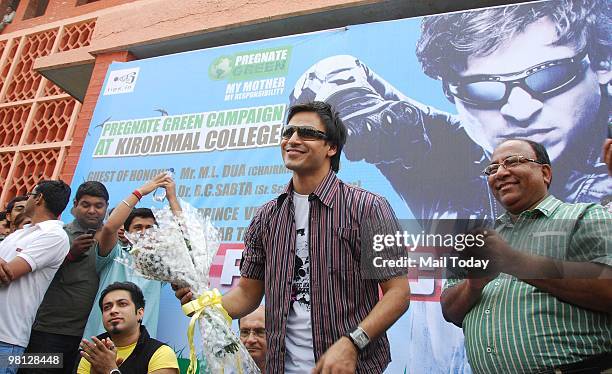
x,y
86,113
57,10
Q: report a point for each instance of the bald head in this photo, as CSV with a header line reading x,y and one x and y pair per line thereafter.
x,y
258,316
521,179
253,335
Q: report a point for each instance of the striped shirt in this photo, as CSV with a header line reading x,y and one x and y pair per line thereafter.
x,y
517,328
341,296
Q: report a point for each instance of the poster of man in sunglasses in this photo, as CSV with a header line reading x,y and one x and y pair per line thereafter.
x,y
539,71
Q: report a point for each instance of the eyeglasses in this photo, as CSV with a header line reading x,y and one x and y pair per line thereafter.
x,y
541,81
509,162
259,333
304,132
32,194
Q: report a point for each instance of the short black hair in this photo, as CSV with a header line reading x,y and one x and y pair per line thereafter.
x,y
92,188
2,215
334,127
56,195
16,199
135,293
138,212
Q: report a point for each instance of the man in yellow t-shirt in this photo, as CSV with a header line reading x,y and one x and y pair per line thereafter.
x,y
126,347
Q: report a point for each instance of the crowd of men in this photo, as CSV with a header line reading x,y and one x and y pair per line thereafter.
x,y
544,305
67,270
323,314
81,304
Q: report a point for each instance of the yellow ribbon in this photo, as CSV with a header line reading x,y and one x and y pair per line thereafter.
x,y
208,299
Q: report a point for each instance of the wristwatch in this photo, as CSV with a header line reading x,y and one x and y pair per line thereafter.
x,y
115,371
359,338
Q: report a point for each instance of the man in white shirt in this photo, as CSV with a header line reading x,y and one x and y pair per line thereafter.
x,y
29,259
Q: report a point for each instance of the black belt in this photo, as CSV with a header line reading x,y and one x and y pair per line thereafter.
x,y
592,365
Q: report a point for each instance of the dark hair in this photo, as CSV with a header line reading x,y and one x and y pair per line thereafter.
x,y
56,195
2,215
138,212
448,40
334,127
92,188
134,290
11,204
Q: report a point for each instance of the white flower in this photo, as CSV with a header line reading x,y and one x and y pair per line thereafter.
x,y
180,251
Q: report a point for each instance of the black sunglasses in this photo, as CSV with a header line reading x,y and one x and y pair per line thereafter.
x,y
304,132
540,81
34,194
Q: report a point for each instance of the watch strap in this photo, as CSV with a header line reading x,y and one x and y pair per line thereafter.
x,y
348,335
361,332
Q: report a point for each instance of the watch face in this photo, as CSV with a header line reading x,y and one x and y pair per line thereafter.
x,y
360,338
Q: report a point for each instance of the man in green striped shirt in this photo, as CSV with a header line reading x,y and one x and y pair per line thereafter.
x,y
547,303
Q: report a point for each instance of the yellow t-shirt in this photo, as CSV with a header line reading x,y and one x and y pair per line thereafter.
x,y
163,358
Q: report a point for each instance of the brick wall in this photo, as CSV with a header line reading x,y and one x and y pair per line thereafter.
x,y
57,10
86,113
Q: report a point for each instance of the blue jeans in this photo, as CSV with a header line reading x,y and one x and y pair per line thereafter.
x,y
7,350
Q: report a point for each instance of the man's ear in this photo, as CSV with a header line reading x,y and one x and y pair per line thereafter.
x,y
140,314
547,173
333,149
39,200
447,93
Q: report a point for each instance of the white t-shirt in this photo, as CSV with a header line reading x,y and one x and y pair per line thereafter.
x,y
43,246
299,356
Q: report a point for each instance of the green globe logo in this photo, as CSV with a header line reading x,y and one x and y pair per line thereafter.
x,y
220,68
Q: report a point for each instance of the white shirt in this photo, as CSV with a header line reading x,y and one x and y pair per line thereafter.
x,y
299,354
43,246
8,18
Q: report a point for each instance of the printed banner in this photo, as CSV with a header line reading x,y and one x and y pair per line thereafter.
x,y
420,133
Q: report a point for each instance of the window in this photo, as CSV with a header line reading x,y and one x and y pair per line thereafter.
x,y
36,8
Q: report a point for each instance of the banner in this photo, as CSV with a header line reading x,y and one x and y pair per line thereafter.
x,y
215,117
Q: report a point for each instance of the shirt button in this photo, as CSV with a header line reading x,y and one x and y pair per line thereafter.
x,y
487,311
497,283
489,350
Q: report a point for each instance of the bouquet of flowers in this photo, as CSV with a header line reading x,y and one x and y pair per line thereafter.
x,y
180,251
